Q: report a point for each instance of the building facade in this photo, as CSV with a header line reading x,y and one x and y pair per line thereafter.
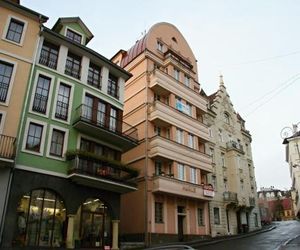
x,y
164,103
293,159
68,175
234,208
275,205
19,31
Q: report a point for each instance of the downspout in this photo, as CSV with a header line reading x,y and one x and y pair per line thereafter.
x,y
19,131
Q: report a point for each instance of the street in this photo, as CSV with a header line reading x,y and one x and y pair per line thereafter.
x,y
286,236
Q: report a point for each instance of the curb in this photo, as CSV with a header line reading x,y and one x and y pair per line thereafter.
x,y
215,241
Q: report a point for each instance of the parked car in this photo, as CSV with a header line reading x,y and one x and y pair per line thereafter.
x,y
172,247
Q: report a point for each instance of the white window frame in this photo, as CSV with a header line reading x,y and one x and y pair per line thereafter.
x,y
191,140
179,136
187,80
12,80
44,125
177,74
83,38
65,145
2,121
6,30
38,73
59,81
181,171
193,175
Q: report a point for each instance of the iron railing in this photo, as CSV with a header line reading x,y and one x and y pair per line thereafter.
x,y
40,103
234,145
48,59
71,70
61,111
99,169
105,121
230,196
7,147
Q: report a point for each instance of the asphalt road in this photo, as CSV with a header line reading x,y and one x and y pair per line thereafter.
x,y
286,236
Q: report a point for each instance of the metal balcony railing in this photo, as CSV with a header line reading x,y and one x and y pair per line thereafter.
x,y
40,103
47,59
7,147
99,168
105,121
230,196
72,69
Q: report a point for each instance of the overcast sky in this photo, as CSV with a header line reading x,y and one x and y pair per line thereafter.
x,y
255,45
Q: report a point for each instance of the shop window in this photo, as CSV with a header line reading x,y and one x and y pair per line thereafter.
x,y
41,217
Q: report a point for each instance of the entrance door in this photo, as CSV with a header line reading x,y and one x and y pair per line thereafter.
x,y
180,227
92,229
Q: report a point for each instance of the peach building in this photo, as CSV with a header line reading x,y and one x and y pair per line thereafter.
x,y
162,100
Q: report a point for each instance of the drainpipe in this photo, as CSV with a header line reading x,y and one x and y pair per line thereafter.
x,y
147,236
21,124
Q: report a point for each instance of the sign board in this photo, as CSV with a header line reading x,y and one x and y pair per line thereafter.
x,y
208,190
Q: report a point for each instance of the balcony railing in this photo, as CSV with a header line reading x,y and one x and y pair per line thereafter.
x,y
105,121
7,147
61,111
72,71
234,145
49,60
40,103
230,197
90,164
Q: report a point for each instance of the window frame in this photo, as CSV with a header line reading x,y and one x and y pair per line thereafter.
x,y
217,217
179,136
11,81
181,171
191,140
160,46
193,175
94,67
176,74
6,29
2,120
76,32
113,79
43,137
200,217
72,73
158,215
71,85
51,47
64,146
51,77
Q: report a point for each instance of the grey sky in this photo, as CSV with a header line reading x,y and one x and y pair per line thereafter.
x,y
254,44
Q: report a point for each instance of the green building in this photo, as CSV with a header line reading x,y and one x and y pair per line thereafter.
x,y
68,175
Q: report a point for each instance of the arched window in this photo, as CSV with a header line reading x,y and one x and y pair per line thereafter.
x,y
226,118
41,216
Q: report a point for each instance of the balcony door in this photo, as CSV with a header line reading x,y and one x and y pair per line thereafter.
x,y
94,110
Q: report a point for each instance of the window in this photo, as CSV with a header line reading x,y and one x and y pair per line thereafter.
x,y
57,143
73,65
2,119
113,119
223,159
226,118
238,161
180,172
221,135
15,30
159,212
191,141
212,154
62,103
49,55
41,94
216,215
188,109
193,175
73,36
94,78
200,217
158,168
214,182
225,185
176,74
34,137
6,70
113,88
210,132
179,136
160,46
157,130
186,81
242,184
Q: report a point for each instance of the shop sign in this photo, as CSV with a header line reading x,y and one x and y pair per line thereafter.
x,y
208,191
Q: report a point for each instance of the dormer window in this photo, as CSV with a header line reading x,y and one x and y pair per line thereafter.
x,y
74,36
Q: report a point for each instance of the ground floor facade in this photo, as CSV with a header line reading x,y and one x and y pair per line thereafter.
x,y
163,217
52,211
230,219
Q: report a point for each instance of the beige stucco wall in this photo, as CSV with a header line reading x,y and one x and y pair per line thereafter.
x,y
21,56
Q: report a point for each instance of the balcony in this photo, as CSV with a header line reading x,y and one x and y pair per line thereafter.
x,y
96,171
49,60
169,185
163,83
166,148
232,145
164,114
7,150
105,127
230,197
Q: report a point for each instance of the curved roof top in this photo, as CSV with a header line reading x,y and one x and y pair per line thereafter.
x,y
156,31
